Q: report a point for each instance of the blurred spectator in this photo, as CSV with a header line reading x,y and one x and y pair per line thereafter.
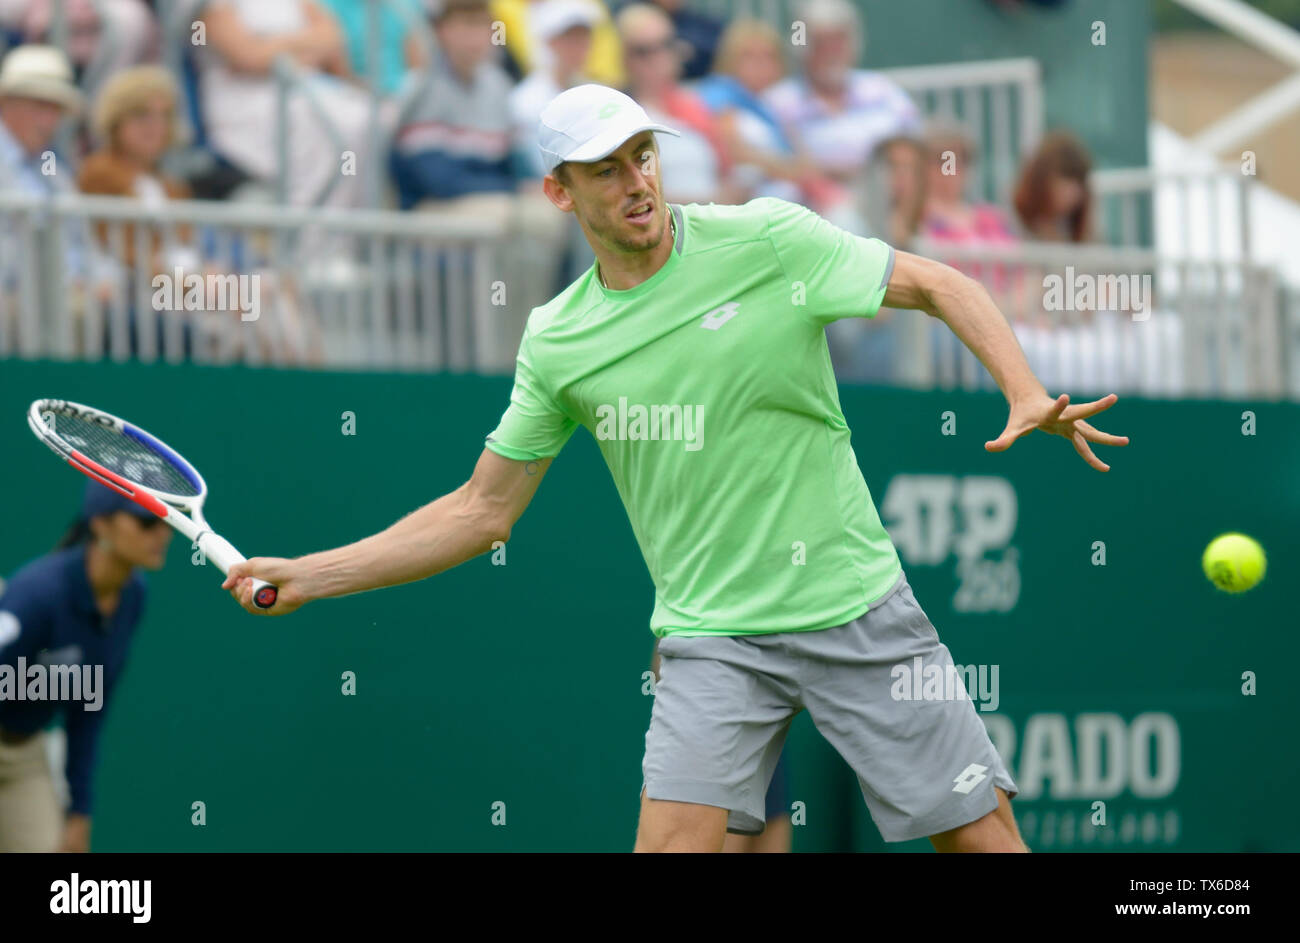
x,y
453,160
1088,349
700,32
240,96
457,139
768,160
136,124
949,215
565,26
839,112
397,54
1053,196
893,191
36,93
890,199
697,165
526,53
126,34
950,218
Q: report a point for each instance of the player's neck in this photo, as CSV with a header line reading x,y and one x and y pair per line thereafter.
x,y
620,271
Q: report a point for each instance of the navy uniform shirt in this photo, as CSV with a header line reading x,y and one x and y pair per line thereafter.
x,y
48,616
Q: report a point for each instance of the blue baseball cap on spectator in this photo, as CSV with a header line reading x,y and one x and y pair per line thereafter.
x,y
98,499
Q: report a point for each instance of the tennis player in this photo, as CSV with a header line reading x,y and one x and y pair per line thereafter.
x,y
694,351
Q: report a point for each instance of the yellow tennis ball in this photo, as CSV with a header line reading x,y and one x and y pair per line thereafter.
x,y
1234,562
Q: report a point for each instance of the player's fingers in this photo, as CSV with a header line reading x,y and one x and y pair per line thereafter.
x,y
1014,430
242,592
1002,442
238,572
1081,446
246,597
1102,438
1084,410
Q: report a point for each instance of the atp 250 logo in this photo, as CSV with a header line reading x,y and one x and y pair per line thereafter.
x,y
934,517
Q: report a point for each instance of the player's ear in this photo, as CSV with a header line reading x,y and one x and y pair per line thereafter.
x,y
557,193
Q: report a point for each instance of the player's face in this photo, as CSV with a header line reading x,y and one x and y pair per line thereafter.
x,y
618,200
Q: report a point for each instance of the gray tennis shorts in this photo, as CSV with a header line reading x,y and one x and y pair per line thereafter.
x,y
724,703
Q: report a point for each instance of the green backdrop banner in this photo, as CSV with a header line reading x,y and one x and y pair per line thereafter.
x,y
503,705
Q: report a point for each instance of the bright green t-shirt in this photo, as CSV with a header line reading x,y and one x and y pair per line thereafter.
x,y
709,390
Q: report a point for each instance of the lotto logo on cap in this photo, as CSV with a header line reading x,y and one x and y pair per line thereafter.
x,y
589,122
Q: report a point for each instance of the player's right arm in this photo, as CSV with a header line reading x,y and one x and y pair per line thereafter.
x,y
442,534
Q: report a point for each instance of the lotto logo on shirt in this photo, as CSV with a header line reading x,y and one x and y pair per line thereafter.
x,y
662,423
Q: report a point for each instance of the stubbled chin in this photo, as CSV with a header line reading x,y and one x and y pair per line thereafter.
x,y
645,240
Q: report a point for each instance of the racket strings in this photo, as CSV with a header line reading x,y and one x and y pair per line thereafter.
x,y
133,460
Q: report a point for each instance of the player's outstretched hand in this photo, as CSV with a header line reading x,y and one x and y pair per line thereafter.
x,y
281,573
1058,417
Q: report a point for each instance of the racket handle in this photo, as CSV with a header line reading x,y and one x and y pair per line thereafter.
x,y
220,551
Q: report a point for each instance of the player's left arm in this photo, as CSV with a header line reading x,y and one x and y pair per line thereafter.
x,y
966,307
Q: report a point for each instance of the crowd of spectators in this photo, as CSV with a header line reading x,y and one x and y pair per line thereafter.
x,y
455,95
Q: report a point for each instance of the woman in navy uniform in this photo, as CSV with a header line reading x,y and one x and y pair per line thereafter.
x,y
77,606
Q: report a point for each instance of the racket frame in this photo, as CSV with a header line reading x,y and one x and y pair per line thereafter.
x,y
183,512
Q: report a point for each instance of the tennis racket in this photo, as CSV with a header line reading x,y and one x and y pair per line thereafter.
x,y
133,463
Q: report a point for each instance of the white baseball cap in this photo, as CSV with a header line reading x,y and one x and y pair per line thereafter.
x,y
551,18
588,122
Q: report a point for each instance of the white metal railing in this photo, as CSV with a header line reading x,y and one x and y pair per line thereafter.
x,y
1196,213
104,277
1189,327
383,290
1291,339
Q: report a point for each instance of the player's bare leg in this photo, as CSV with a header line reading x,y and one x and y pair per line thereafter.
x,y
679,826
995,832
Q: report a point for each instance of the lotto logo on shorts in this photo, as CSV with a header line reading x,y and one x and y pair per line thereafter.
x,y
970,777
